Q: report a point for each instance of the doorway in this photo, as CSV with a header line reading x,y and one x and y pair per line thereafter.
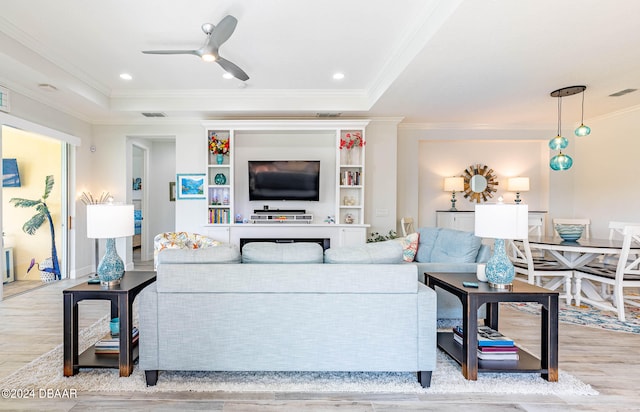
x,y
35,251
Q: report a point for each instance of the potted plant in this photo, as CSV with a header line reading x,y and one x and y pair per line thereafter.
x,y
37,220
218,147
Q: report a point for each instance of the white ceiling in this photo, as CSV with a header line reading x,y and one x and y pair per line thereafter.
x,y
439,63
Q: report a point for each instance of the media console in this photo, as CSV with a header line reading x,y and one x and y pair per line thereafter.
x,y
324,242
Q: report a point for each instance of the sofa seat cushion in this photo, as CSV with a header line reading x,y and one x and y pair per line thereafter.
x,y
389,251
287,278
271,252
223,253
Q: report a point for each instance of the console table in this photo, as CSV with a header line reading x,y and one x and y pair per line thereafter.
x,y
121,297
472,298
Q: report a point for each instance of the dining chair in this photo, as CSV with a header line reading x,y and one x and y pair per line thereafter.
x,y
544,273
586,222
624,274
406,223
535,225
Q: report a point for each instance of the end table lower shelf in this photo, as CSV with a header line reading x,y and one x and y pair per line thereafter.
x,y
526,364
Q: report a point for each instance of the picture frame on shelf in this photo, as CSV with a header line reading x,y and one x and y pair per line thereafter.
x,y
172,191
190,186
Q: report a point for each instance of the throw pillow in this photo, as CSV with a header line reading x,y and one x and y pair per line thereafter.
x,y
410,246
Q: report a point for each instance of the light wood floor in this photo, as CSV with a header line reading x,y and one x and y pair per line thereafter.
x,y
609,361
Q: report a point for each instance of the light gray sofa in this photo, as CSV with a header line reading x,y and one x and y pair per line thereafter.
x,y
208,311
450,251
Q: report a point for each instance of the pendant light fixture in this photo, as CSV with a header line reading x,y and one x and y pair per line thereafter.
x,y
582,130
562,161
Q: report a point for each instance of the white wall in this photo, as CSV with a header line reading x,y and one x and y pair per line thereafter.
x,y
286,145
605,172
426,157
161,212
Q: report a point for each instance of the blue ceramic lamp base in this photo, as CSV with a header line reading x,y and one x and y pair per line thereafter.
x,y
499,269
111,267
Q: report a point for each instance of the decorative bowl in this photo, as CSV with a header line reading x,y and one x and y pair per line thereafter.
x,y
570,233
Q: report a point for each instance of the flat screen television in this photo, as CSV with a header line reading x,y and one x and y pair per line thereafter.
x,y
284,180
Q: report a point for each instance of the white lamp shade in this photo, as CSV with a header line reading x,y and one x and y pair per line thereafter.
x,y
502,221
453,184
106,221
518,184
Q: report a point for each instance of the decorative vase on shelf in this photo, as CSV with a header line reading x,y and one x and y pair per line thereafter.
x,y
348,156
220,179
219,158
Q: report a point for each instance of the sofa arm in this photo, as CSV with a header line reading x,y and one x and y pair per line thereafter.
x,y
427,328
148,326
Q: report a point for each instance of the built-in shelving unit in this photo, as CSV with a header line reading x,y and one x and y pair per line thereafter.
x,y
220,180
351,175
342,177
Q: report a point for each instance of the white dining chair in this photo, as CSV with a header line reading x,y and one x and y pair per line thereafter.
x,y
625,274
535,225
406,224
544,273
560,221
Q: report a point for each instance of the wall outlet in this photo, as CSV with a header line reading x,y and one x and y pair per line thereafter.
x,y
382,212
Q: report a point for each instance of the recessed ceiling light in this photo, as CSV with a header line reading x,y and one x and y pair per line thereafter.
x,y
126,76
227,75
338,76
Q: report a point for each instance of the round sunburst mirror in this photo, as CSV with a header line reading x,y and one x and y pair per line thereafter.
x,y
479,183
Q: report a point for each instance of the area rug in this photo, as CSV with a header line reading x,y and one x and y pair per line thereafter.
x,y
46,372
589,316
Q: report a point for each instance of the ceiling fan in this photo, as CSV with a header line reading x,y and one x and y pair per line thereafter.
x,y
216,36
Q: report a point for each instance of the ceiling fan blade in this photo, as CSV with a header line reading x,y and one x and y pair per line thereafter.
x,y
237,72
194,52
224,30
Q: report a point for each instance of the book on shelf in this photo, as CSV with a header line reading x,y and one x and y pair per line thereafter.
x,y
486,337
111,344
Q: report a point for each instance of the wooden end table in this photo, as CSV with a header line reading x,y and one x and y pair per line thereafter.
x,y
121,297
466,354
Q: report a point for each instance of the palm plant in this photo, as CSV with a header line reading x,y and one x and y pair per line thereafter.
x,y
37,220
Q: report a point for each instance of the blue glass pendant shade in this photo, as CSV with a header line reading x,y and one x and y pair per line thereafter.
x,y
111,267
558,143
561,161
583,130
499,269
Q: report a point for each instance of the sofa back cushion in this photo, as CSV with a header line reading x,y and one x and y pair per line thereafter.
x,y
427,240
270,252
223,253
389,251
455,246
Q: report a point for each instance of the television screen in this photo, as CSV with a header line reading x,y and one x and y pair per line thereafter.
x,y
284,180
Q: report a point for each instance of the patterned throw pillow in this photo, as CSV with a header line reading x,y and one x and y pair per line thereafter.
x,y
410,246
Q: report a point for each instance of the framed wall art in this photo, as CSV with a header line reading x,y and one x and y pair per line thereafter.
x,y
190,186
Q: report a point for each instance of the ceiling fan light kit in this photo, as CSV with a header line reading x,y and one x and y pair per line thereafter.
x,y
216,36
562,161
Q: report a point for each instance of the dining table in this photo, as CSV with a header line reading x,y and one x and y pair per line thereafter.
x,y
575,254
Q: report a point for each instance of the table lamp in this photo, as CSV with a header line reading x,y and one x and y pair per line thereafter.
x,y
501,221
453,185
109,221
518,184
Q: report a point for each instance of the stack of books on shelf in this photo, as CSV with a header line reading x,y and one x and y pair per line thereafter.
x,y
111,344
492,345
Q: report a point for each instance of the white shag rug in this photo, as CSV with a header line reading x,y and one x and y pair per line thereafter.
x,y
46,372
